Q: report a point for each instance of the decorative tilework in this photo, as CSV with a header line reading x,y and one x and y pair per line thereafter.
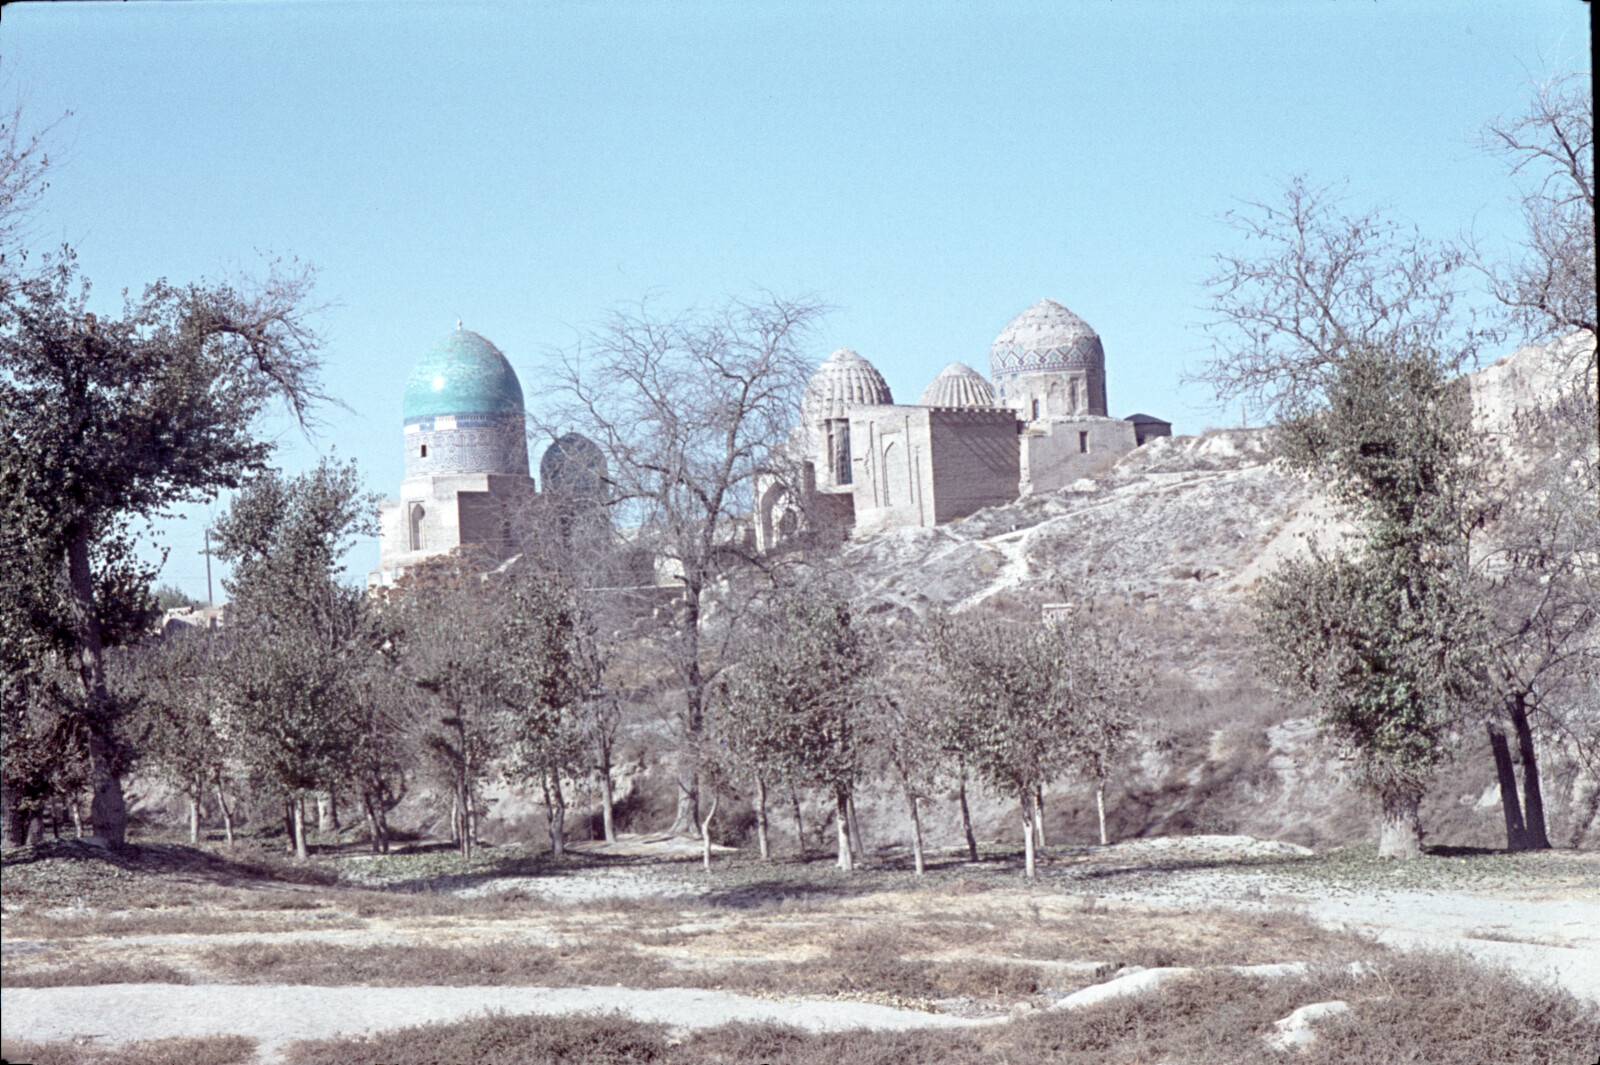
x,y
462,374
1045,338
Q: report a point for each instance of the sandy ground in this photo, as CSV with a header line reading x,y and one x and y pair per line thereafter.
x,y
277,1014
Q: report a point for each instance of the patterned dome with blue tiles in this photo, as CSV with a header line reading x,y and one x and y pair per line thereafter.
x,y
462,374
1045,338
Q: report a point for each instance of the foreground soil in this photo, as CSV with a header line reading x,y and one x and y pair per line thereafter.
x,y
103,950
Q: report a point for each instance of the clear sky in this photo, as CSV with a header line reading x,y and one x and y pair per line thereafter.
x,y
926,169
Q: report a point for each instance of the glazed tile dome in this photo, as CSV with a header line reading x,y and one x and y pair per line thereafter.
x,y
958,385
462,374
845,378
574,465
1045,338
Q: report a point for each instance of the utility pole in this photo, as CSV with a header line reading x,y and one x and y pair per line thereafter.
x,y
207,553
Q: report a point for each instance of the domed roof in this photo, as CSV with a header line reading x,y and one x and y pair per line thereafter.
x,y
844,378
1043,338
462,374
573,465
958,385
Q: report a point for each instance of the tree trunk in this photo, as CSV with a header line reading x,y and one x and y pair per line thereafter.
x,y
705,834
1510,805
857,847
1038,814
324,816
300,850
374,833
108,811
1100,807
77,816
288,823
555,812
841,821
194,820
1401,833
799,824
1532,793
606,806
35,831
1027,838
13,820
687,817
966,814
916,832
227,814
761,818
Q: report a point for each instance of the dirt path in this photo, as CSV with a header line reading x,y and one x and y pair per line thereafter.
x,y
279,1014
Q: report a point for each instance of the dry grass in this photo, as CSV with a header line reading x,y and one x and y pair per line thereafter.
x,y
898,958
211,1050
191,922
1431,1008
84,974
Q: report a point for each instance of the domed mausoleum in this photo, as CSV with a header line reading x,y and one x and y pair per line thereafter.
x,y
466,457
1048,361
870,464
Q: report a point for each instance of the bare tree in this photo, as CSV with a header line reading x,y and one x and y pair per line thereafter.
x,y
905,707
1313,281
1550,289
24,161
690,411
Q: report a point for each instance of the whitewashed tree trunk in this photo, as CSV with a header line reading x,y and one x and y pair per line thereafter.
x,y
705,834
916,832
1038,814
300,850
761,818
841,820
606,805
1100,807
1401,833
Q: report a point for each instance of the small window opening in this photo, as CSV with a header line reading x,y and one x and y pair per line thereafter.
x,y
424,450
1035,410
1083,443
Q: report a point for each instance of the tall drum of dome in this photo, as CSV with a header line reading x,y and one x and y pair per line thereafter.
x,y
1049,362
844,380
463,410
466,460
958,385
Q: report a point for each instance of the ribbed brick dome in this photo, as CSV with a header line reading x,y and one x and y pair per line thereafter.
x,y
958,385
845,378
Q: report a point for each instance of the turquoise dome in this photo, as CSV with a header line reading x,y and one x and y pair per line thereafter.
x,y
462,374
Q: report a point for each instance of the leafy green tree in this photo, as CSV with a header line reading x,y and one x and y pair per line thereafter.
x,y
543,672
300,638
793,704
902,724
440,623
1012,705
176,716
107,420
1388,640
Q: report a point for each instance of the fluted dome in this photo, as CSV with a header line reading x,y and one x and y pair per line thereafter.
x,y
958,385
845,378
462,374
1045,338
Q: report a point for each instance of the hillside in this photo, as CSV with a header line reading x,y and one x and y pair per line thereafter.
x,y
1171,541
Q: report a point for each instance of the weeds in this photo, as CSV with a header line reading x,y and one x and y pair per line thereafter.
x,y
210,1050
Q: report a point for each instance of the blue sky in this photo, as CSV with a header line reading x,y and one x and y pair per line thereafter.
x,y
926,169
